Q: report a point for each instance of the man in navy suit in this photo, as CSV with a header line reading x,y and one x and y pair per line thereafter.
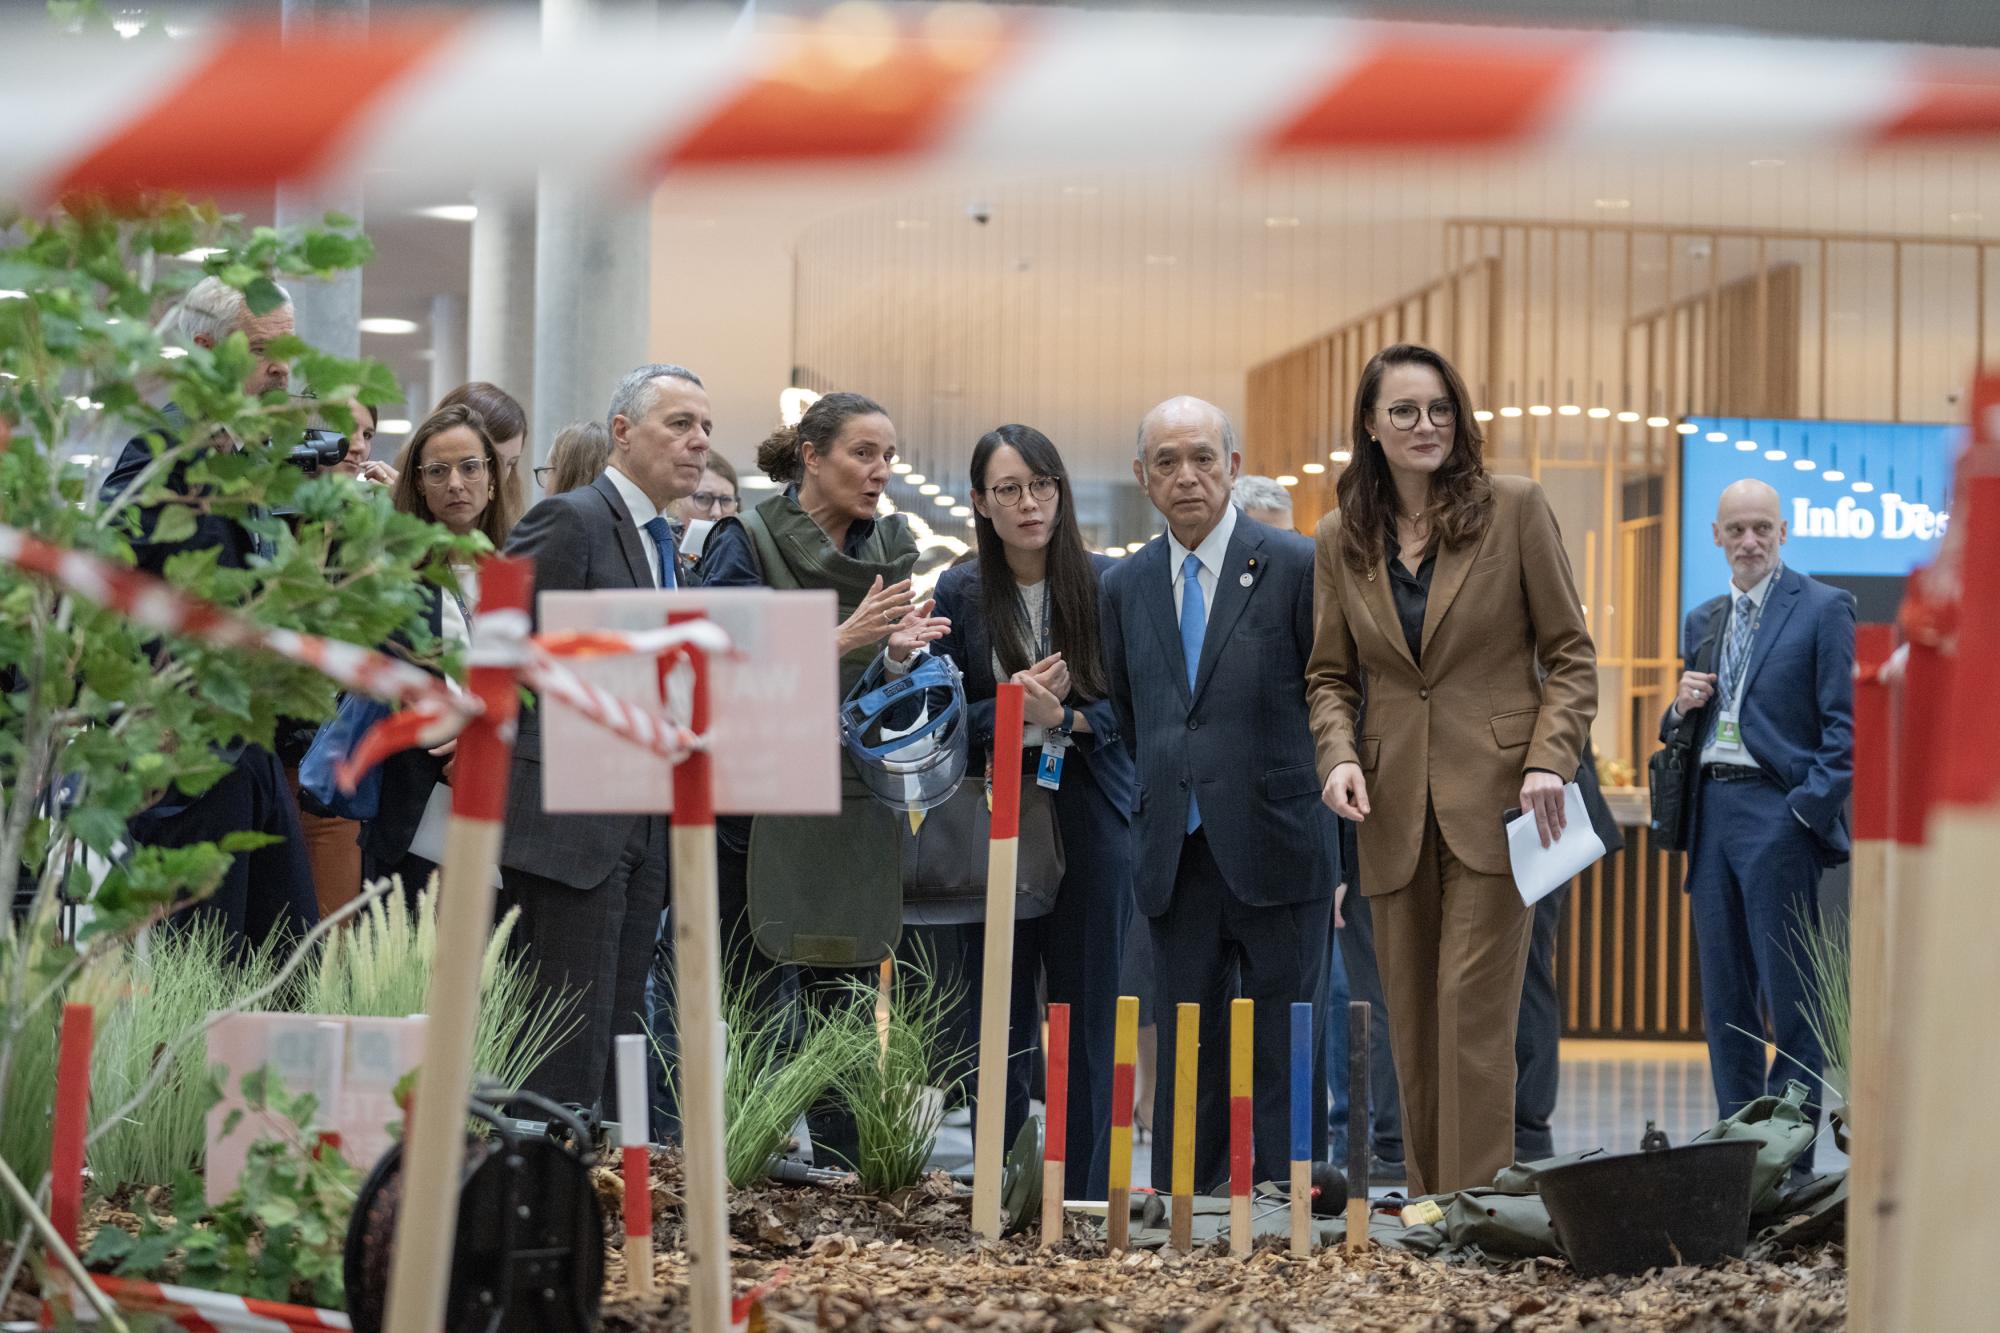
x,y
1776,719
1206,634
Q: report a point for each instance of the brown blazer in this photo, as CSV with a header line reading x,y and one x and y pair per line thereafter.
x,y
1508,683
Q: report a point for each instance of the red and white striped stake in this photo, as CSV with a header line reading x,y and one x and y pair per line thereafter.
x,y
637,1160
1242,1121
997,977
434,1160
72,1121
1056,1124
698,988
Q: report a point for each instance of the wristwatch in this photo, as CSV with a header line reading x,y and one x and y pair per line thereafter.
x,y
1068,722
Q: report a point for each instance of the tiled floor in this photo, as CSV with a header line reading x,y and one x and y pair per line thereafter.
x,y
1609,1091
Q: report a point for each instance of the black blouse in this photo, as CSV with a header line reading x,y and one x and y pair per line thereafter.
x,y
1413,594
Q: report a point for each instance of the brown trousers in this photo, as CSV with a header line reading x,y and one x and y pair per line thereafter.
x,y
333,848
1453,947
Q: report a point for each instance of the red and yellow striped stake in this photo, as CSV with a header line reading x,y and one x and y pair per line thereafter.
x,y
1187,1075
637,1162
1056,1120
997,974
1946,1269
1242,1121
71,1122
1124,1063
697,920
434,1156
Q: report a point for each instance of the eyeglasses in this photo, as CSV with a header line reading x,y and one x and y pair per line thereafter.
x,y
1008,493
437,474
1403,416
542,475
727,504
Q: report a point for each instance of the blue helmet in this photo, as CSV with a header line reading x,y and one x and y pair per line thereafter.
x,y
907,734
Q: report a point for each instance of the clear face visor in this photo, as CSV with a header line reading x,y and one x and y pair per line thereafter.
x,y
907,737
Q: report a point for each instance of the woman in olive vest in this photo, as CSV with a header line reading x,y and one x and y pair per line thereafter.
x,y
829,889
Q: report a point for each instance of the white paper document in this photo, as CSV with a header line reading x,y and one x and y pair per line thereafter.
x,y
1539,871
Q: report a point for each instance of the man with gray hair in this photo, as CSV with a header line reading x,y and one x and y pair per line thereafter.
x,y
1264,500
591,888
269,890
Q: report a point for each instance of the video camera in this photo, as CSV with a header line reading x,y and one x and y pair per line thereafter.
x,y
321,448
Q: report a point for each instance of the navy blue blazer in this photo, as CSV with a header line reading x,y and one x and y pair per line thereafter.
x,y
971,646
1798,700
1239,740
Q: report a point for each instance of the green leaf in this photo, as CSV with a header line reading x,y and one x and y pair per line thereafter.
x,y
176,523
108,1246
247,840
263,295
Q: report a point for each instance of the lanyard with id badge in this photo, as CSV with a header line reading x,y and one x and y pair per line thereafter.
x,y
1056,739
1728,720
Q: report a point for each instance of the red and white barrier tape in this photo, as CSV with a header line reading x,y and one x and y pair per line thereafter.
x,y
199,1311
485,97
431,713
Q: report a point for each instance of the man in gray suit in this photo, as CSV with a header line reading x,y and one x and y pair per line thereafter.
x,y
591,887
1206,634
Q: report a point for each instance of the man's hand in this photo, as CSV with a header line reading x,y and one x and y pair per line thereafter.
x,y
1542,793
1697,688
1346,792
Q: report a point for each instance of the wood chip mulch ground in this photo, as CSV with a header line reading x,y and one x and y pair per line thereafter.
x,y
910,1265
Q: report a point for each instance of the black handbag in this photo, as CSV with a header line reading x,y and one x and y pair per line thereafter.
x,y
944,860
1671,771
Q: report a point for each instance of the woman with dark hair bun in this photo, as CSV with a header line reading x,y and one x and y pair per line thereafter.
x,y
1446,590
822,531
1025,610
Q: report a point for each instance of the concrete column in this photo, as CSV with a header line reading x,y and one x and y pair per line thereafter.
x,y
447,345
328,312
593,266
501,343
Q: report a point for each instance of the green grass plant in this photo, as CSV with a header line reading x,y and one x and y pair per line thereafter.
x,y
380,967
898,1089
1826,958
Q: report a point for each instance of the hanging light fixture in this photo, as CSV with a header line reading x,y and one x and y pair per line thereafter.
x,y
1832,472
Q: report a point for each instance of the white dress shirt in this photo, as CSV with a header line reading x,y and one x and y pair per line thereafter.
x,y
1711,753
1213,547
643,512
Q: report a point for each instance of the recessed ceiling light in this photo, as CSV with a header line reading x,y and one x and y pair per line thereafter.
x,y
899,467
1628,416
961,511
1746,446
1287,479
1775,455
1688,428
1568,410
929,488
913,478
1538,409
1863,487
1658,423
944,501
1767,161
383,324
1340,455
1510,411
1598,413
392,426
1833,474
1717,436
1612,204
450,212
1278,223
1313,469
1804,464
1115,552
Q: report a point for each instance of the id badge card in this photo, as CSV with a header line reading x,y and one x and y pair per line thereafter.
x,y
1048,772
1729,733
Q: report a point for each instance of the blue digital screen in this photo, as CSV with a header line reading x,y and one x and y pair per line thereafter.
x,y
1858,497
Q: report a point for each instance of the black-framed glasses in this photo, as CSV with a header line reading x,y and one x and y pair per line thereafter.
x,y
1007,494
437,474
542,475
719,501
1443,413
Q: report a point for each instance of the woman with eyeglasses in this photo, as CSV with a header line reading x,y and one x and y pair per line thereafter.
x,y
1025,610
450,475
1447,590
576,459
719,495
507,421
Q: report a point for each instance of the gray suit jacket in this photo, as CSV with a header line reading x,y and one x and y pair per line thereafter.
x,y
580,540
1239,740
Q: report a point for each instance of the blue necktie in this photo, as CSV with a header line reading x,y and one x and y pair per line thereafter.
x,y
1735,659
1193,625
663,538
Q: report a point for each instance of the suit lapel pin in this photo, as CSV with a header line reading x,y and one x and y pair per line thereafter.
x,y
1246,580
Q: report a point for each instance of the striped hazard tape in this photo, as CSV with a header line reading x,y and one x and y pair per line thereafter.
x,y
199,1311
234,106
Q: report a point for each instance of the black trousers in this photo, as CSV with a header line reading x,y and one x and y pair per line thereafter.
x,y
265,892
595,944
1538,1039
1364,982
1209,948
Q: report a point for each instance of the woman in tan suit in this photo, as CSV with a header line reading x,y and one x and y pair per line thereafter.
x,y
1444,596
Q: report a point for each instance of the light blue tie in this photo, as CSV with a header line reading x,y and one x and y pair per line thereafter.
x,y
1194,623
1735,659
663,538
